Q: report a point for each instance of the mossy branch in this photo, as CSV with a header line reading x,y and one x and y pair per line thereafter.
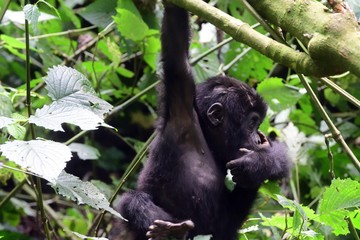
x,y
331,38
323,45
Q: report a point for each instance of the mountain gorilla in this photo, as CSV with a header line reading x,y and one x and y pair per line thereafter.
x,y
202,132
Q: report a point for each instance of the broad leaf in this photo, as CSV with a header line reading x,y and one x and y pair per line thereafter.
x,y
42,157
17,131
130,26
277,95
68,85
338,199
84,151
75,102
83,192
51,117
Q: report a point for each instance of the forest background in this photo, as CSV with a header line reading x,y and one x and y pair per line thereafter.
x,y
68,150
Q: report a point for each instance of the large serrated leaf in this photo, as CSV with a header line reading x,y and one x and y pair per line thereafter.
x,y
63,81
67,85
51,117
341,196
75,102
83,192
42,157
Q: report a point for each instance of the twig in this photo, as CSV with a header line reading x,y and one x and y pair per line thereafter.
x,y
335,133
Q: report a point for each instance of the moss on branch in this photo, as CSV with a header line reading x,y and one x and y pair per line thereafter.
x,y
329,36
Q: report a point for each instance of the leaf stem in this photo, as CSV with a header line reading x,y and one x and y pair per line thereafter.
x,y
32,128
12,193
352,228
56,34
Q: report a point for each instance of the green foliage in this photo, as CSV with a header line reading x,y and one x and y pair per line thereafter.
x,y
339,200
111,51
277,95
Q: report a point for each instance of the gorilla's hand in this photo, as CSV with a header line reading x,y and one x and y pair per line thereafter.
x,y
247,170
251,167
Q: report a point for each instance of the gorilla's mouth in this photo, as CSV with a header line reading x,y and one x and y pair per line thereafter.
x,y
262,139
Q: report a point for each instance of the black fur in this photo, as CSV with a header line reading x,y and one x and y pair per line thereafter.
x,y
196,143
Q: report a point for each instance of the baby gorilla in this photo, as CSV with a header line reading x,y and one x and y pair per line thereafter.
x,y
202,132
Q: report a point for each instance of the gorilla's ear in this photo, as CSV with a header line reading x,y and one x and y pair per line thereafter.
x,y
215,114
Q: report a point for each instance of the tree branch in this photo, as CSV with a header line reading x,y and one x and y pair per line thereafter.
x,y
331,38
344,56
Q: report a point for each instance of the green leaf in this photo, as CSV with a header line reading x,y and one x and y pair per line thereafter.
x,y
303,121
99,12
130,6
336,203
281,222
270,189
130,26
124,72
331,96
42,157
115,53
17,131
12,42
277,95
83,192
70,14
152,49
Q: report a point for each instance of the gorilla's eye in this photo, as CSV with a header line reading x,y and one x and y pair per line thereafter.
x,y
254,122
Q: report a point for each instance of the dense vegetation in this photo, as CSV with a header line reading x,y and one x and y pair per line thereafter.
x,y
78,105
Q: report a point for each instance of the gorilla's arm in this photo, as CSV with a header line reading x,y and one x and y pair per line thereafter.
x,y
177,95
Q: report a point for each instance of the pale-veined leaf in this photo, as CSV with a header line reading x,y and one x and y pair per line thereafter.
x,y
42,157
67,85
51,117
83,192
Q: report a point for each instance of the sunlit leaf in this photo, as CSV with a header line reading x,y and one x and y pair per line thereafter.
x,y
42,157
51,117
84,151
